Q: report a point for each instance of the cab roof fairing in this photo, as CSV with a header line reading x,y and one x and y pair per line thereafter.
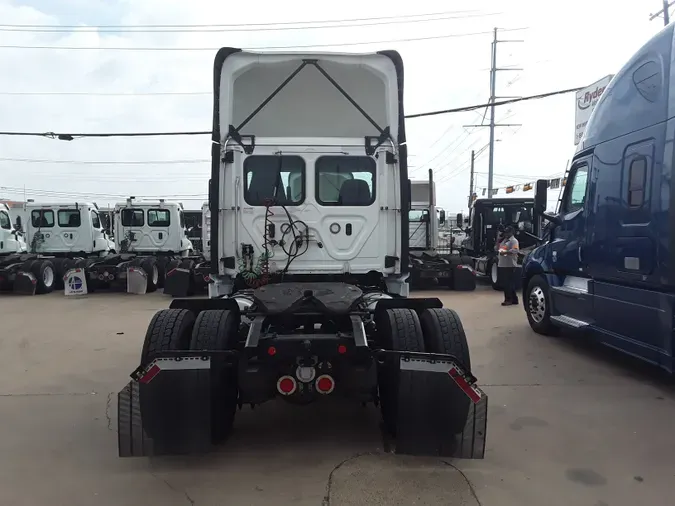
x,y
309,105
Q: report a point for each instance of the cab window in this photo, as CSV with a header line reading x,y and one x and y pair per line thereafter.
x,y
418,216
69,218
5,222
274,179
132,218
345,180
95,220
159,218
42,218
576,195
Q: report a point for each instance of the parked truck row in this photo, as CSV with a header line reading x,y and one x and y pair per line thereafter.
x,y
38,252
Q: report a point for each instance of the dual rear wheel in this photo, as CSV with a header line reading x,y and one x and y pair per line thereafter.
x,y
407,407
413,403
212,330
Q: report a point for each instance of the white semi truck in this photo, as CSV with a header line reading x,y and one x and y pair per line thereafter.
x,y
148,235
21,272
308,292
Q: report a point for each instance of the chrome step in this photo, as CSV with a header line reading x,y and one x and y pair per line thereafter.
x,y
568,321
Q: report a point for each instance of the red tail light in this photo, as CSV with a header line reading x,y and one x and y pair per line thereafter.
x,y
325,384
286,385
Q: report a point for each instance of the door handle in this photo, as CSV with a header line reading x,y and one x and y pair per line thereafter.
x,y
579,252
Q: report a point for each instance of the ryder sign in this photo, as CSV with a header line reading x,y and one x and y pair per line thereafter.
x,y
585,103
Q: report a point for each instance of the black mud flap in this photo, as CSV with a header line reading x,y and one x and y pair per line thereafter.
x,y
166,409
25,283
432,393
177,282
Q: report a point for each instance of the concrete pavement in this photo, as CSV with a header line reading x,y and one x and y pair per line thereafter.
x,y
570,423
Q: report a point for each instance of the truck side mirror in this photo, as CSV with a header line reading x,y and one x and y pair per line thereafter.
x,y
441,218
541,196
460,219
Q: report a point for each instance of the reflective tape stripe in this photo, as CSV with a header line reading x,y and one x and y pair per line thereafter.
x,y
173,364
471,391
416,364
445,367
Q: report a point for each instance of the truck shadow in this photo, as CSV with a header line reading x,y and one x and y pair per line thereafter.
x,y
622,364
302,436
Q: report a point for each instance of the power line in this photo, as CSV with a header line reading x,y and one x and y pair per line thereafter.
x,y
111,162
242,28
260,48
104,94
72,136
74,194
282,23
496,103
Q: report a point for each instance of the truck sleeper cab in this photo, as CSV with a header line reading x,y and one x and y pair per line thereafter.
x,y
309,200
607,267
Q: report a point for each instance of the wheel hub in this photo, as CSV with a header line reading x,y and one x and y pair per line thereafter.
x,y
48,276
537,304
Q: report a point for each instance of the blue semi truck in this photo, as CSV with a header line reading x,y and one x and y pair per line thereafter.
x,y
607,265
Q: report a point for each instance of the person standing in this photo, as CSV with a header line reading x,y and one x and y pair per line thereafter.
x,y
508,266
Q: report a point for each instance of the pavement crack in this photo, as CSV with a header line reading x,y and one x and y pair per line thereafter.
x,y
174,489
466,478
107,410
329,484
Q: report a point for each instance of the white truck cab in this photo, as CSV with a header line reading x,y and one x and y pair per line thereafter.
x,y
11,239
66,229
150,227
309,181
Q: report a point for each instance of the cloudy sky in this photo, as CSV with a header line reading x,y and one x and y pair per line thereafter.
x,y
446,56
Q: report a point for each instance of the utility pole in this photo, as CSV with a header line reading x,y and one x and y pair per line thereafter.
x,y
493,98
665,11
473,158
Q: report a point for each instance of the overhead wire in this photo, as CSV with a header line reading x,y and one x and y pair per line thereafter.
x,y
252,48
248,25
272,27
72,136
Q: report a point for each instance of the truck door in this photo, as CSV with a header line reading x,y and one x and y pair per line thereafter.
x,y
572,298
68,237
157,235
98,235
128,236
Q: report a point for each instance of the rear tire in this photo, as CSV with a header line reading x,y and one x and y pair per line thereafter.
x,y
217,330
444,333
149,265
162,267
189,265
398,329
44,272
169,330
